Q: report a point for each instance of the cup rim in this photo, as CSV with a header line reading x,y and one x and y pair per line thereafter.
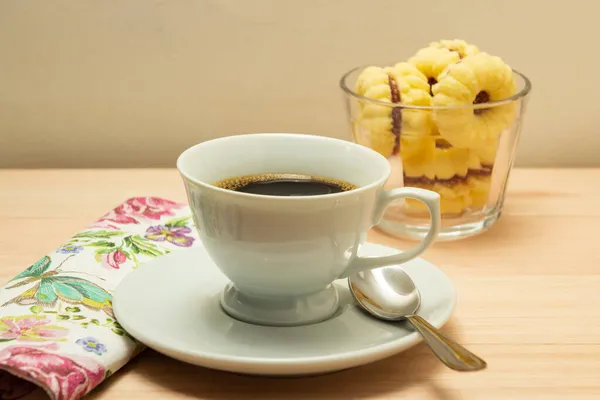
x,y
521,94
384,177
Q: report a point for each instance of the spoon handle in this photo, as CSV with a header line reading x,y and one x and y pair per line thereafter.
x,y
448,351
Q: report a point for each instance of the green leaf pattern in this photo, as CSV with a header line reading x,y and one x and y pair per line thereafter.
x,y
134,246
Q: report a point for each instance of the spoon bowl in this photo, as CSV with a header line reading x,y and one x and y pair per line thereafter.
x,y
387,293
390,294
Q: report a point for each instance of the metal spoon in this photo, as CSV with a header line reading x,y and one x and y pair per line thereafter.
x,y
390,294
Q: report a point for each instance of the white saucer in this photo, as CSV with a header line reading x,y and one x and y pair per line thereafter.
x,y
172,305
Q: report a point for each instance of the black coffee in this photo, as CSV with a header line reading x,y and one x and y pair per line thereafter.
x,y
285,185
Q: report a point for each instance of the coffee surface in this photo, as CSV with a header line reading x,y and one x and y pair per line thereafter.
x,y
285,185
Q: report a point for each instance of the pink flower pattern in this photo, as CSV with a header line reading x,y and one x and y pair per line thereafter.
x,y
103,224
30,328
152,208
63,377
113,259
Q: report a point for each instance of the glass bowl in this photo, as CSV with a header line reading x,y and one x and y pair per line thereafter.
x,y
464,153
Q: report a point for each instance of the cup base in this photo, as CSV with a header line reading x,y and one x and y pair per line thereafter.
x,y
280,311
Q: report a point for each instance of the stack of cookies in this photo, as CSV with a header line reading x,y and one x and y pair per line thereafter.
x,y
431,113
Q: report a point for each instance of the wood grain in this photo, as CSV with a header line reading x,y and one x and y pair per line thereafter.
x,y
529,292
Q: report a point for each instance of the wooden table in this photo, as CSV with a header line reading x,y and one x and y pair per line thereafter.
x,y
529,293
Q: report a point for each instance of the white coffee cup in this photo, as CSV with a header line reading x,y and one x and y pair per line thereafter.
x,y
281,254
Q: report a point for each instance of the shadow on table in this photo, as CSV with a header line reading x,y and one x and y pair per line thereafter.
x,y
157,373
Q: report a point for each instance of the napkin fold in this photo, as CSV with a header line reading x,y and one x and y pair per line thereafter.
x,y
57,327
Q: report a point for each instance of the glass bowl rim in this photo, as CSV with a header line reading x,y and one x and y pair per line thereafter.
x,y
521,94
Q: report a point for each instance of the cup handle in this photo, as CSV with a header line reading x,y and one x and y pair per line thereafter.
x,y
431,200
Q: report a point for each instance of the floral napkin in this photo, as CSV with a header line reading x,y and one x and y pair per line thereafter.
x,y
57,328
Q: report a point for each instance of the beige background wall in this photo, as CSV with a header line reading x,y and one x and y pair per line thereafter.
x,y
90,83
